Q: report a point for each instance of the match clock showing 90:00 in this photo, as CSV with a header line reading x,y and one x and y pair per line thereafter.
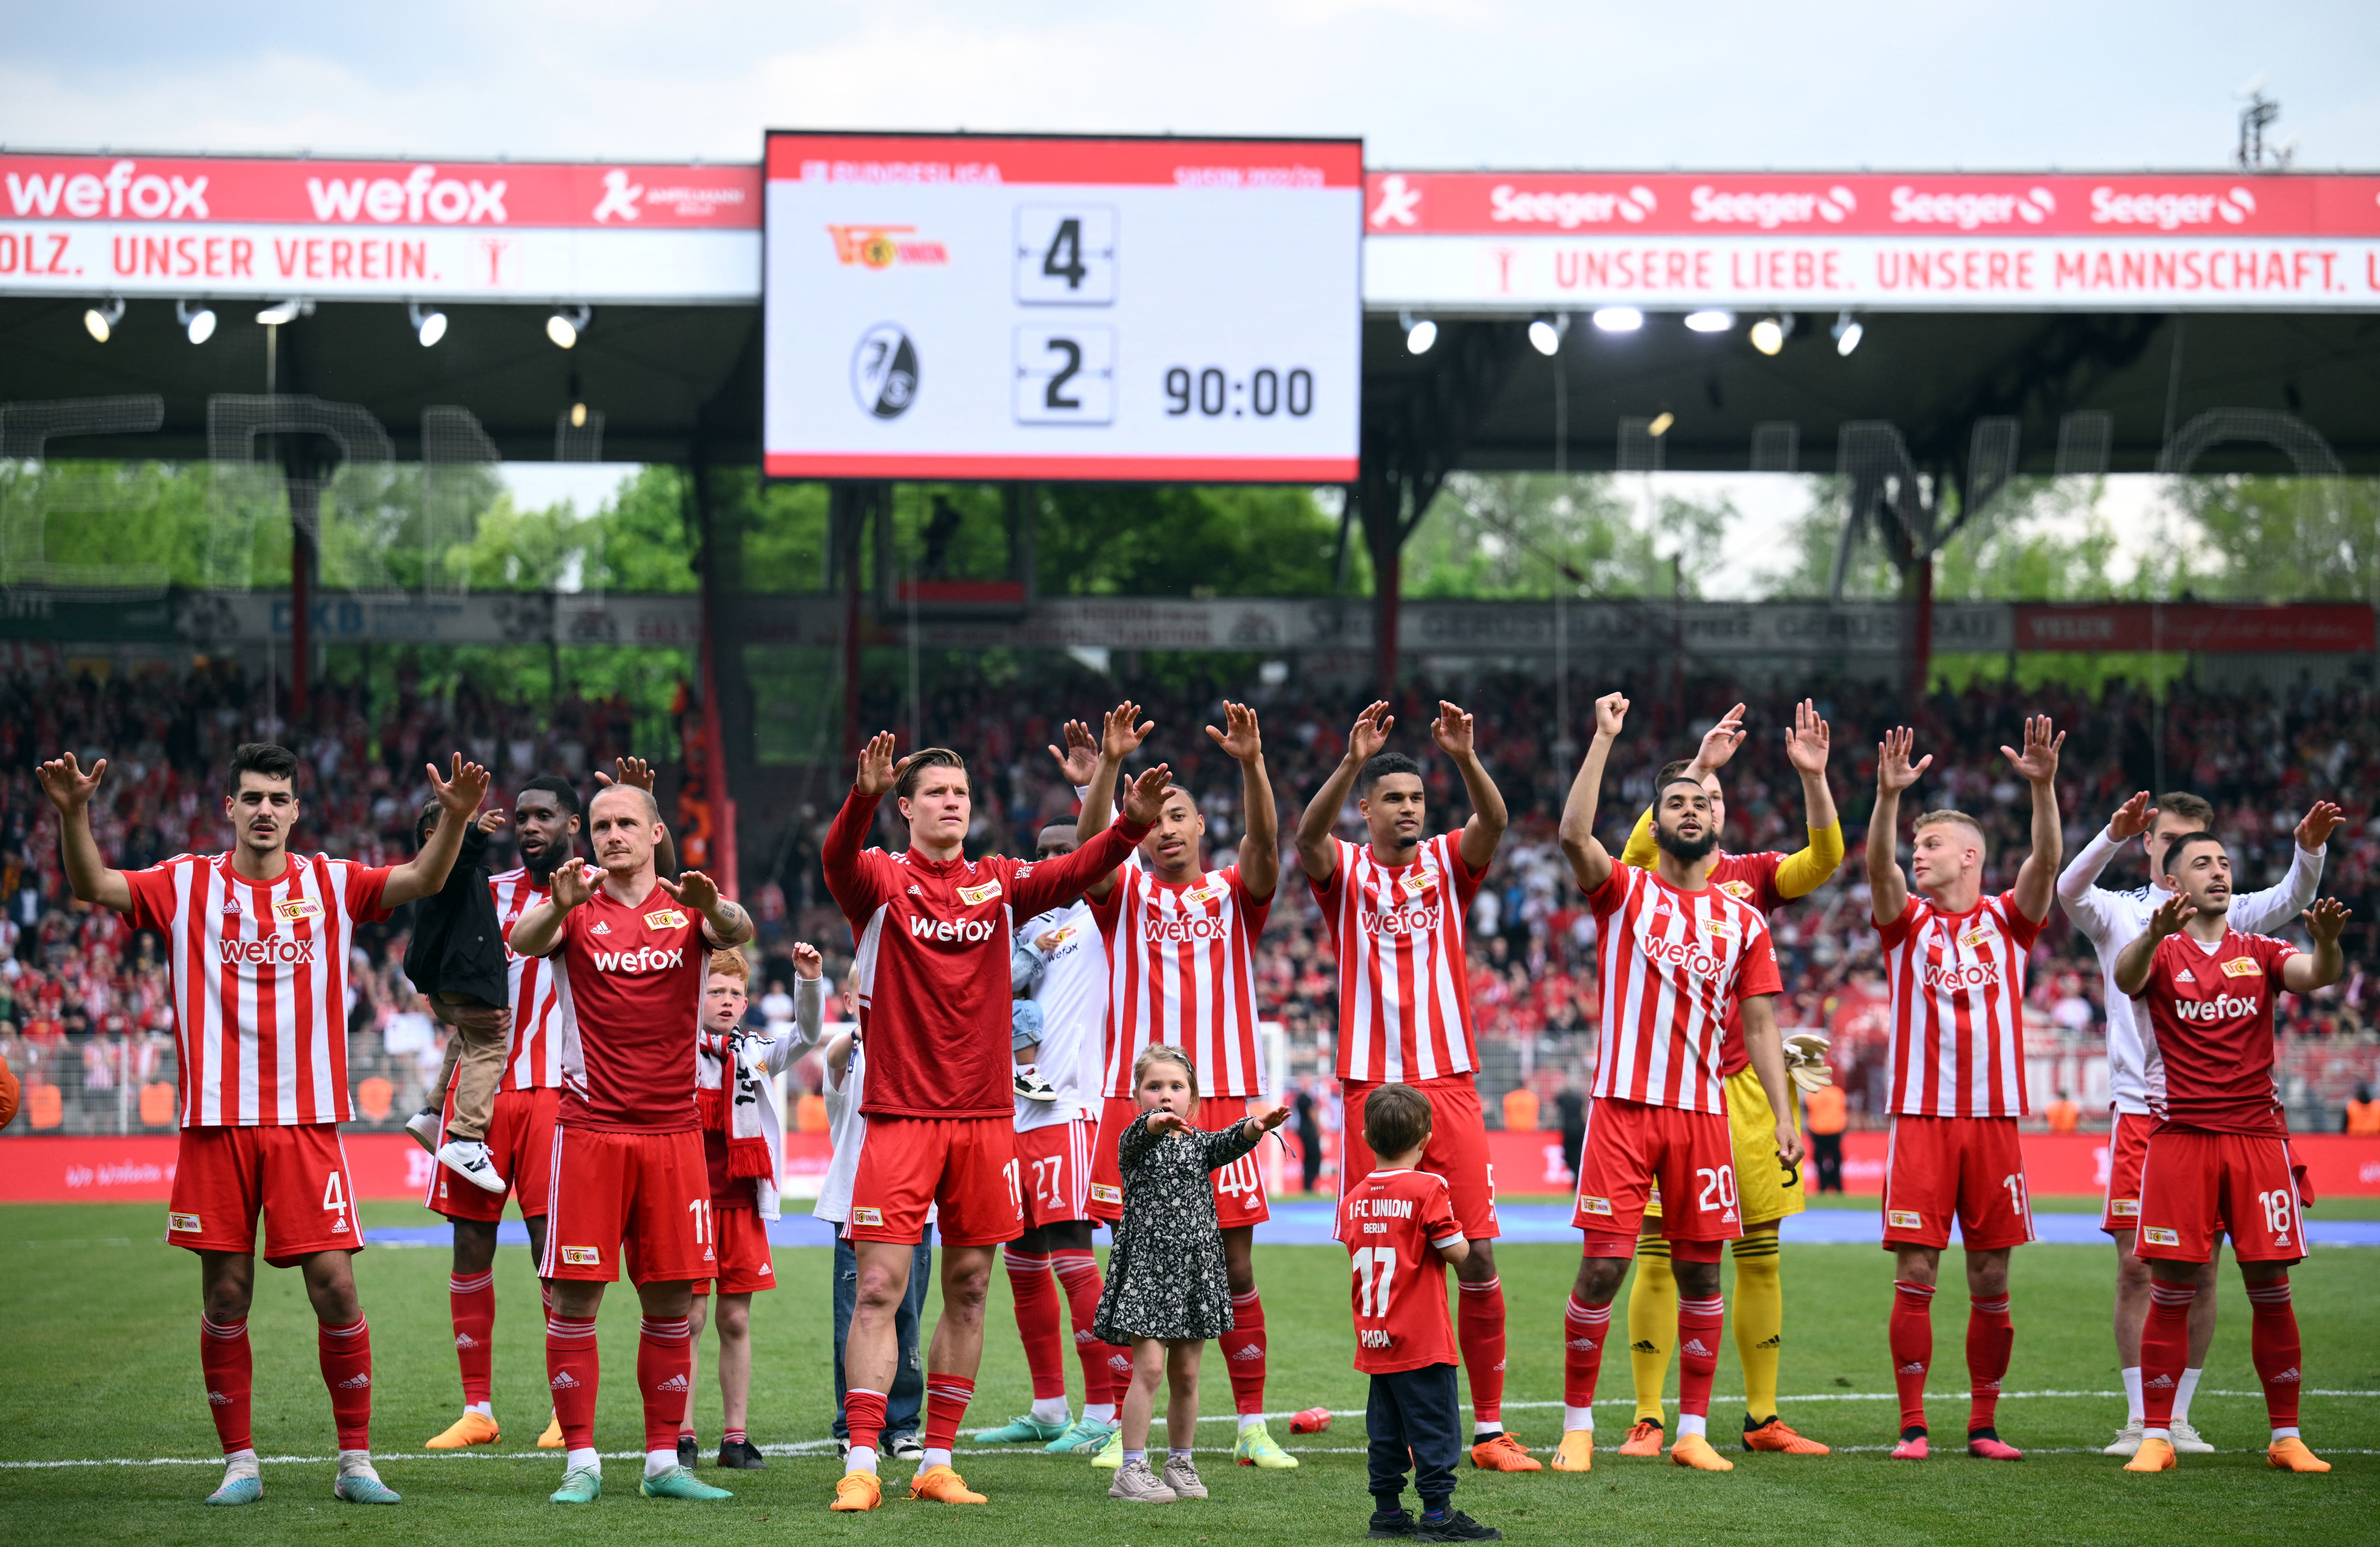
x,y
1217,393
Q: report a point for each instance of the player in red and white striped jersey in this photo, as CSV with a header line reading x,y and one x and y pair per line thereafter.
x,y
1677,959
1397,908
1180,943
1954,962
258,943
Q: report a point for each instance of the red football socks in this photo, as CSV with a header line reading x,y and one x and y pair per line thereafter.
x,y
473,1302
863,1417
1036,1321
1700,1323
1243,1350
2272,1344
1479,1332
1910,1335
572,1370
1990,1337
230,1372
346,1369
665,1377
946,1404
1584,1328
2165,1350
1078,1276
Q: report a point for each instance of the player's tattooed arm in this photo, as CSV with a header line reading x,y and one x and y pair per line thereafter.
x,y
2036,879
1455,734
1590,863
726,923
1887,888
458,796
2319,968
2132,962
70,789
1260,847
1315,854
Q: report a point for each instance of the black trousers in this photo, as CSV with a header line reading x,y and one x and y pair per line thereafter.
x,y
1413,1419
1827,1149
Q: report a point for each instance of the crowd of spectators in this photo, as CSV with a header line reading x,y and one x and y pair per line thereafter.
x,y
84,1006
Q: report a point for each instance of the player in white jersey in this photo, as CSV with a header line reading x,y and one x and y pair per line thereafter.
x,y
1182,971
1059,963
258,942
2113,920
1954,962
1397,907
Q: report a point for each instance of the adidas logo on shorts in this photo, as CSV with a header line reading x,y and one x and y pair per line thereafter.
x,y
355,1383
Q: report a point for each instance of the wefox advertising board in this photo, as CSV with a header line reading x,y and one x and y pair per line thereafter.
x,y
978,307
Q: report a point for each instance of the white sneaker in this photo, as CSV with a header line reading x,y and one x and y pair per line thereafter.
x,y
2186,1439
1032,1087
2127,1440
1135,1483
1183,1478
424,1126
470,1159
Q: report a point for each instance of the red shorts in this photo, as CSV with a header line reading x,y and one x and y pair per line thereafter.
x,y
2127,1143
297,1177
644,1198
1630,1149
1239,1187
743,1241
520,1135
1973,1167
1053,1163
1457,1149
964,1166
2196,1186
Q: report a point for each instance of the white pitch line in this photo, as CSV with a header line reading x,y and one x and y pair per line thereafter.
x,y
816,1447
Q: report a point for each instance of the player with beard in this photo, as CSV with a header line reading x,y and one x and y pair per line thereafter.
x,y
1954,962
545,821
2218,1157
1769,1192
1397,908
258,942
1677,961
1181,942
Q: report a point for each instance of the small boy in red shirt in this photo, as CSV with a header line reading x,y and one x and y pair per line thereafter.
x,y
1399,1225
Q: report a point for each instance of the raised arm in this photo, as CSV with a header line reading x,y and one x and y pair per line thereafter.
x,y
1121,733
726,923
1453,732
1887,889
2078,889
70,790
2132,962
2039,762
2319,968
1590,865
458,797
1719,745
637,771
1316,855
846,836
809,998
1260,847
539,928
1767,1048
1219,1147
1809,867
1054,883
2261,909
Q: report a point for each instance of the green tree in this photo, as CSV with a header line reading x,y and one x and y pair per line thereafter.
x,y
1180,540
1499,535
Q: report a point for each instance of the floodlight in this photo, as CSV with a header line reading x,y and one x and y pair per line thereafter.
x,y
99,321
1661,423
1768,335
1420,333
566,323
1848,332
284,311
1619,319
1709,322
200,323
1544,337
427,326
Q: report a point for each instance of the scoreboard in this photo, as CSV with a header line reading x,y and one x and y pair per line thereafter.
x,y
981,307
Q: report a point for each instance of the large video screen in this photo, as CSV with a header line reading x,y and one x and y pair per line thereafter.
x,y
979,306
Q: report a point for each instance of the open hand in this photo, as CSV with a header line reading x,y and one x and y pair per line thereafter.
x,y
876,771
2324,920
462,792
2133,819
694,889
2314,831
1081,758
1807,743
1370,732
808,962
67,786
1266,1121
633,770
573,883
1453,731
1120,737
2038,761
1144,798
2171,914
1894,771
1242,741
1720,741
1168,1122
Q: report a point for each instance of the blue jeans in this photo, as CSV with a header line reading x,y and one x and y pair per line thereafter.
x,y
908,1394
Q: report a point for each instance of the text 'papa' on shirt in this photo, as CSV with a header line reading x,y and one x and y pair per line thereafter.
x,y
1672,965
1957,981
629,977
1182,970
260,983
1393,1223
932,938
2210,1043
1404,985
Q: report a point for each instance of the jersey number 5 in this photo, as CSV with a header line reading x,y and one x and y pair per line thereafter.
x,y
1376,1269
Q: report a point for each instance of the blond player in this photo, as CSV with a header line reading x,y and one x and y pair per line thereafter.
x,y
1954,962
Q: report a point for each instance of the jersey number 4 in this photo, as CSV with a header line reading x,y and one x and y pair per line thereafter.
x,y
1376,1269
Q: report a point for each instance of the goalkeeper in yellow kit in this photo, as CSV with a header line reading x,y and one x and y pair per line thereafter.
x,y
1769,1189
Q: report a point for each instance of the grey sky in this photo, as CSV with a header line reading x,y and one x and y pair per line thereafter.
x,y
1426,82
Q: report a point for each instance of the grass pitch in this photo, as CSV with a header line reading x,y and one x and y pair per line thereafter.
x,y
103,1374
